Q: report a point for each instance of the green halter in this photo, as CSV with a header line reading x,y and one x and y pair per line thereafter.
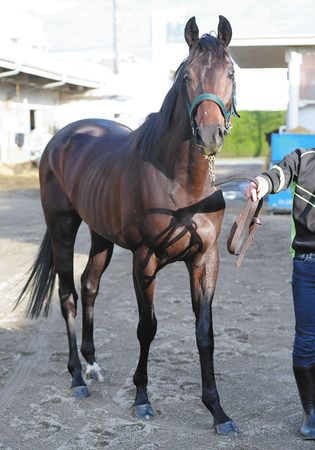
x,y
214,98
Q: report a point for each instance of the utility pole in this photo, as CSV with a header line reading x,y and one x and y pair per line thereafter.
x,y
115,36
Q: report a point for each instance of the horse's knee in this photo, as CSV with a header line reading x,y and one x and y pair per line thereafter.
x,y
89,291
147,329
89,284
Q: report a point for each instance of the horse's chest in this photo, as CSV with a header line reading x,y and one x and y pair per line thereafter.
x,y
180,237
177,230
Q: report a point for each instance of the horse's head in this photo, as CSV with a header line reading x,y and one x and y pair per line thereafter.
x,y
210,85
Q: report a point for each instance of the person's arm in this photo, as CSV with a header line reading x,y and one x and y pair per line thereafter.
x,y
279,177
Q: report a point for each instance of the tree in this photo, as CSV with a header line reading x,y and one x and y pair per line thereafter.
x,y
248,135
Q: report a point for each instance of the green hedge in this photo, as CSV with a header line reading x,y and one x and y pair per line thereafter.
x,y
248,135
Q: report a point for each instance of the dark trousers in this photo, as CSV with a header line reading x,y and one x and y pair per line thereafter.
x,y
303,287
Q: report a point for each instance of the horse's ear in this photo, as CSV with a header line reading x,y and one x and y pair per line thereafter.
x,y
191,32
224,31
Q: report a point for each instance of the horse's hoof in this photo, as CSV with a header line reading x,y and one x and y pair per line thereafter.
x,y
145,411
94,372
80,391
228,428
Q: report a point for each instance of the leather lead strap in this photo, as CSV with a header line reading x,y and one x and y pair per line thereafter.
x,y
246,224
244,229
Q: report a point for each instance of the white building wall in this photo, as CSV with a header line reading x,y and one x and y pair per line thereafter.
x,y
101,109
18,141
307,117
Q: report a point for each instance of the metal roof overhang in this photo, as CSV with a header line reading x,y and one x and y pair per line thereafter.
x,y
267,52
54,79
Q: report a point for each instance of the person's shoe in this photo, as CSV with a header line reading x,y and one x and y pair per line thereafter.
x,y
305,381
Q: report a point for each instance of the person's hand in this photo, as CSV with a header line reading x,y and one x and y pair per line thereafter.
x,y
257,192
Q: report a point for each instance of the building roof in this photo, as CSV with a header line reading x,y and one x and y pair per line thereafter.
x,y
47,78
266,51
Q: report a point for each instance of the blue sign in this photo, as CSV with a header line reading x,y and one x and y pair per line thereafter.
x,y
281,145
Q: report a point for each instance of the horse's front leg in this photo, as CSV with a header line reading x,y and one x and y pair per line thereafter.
x,y
144,272
203,270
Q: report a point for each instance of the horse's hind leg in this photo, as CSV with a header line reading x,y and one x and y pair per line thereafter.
x,y
63,233
62,224
144,272
99,258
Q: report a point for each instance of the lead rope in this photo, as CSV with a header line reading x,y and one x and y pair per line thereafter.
x,y
246,224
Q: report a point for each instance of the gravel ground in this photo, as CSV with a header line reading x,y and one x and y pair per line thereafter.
x,y
253,323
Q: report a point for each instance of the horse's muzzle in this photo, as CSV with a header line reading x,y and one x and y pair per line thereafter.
x,y
210,137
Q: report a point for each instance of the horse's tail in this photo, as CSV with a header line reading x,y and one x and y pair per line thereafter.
x,y
40,284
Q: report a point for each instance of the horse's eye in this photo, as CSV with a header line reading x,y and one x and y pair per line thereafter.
x,y
231,73
186,77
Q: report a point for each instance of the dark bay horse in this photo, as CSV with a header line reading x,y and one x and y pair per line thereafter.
x,y
149,191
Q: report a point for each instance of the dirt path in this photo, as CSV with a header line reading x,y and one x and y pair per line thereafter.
x,y
253,324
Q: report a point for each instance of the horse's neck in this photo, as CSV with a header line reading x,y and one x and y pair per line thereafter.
x,y
192,169
181,158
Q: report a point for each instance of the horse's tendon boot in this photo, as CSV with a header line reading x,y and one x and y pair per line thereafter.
x,y
305,380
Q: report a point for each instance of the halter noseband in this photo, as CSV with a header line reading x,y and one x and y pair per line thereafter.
x,y
227,114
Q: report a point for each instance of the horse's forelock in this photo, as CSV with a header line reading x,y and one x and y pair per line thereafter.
x,y
209,43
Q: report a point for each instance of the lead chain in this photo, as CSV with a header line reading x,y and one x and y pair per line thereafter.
x,y
211,166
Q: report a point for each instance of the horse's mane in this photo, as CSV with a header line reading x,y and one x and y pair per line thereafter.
x,y
149,135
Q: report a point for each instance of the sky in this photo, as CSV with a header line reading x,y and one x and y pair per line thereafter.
x,y
86,26
82,23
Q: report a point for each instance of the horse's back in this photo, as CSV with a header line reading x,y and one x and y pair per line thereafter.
x,y
86,129
80,143
92,127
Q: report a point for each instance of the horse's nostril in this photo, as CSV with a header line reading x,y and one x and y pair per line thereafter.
x,y
211,136
219,136
220,133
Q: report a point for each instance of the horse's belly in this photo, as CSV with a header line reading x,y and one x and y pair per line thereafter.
x,y
107,226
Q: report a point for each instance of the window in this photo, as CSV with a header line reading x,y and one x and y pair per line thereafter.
x,y
307,85
174,32
32,119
